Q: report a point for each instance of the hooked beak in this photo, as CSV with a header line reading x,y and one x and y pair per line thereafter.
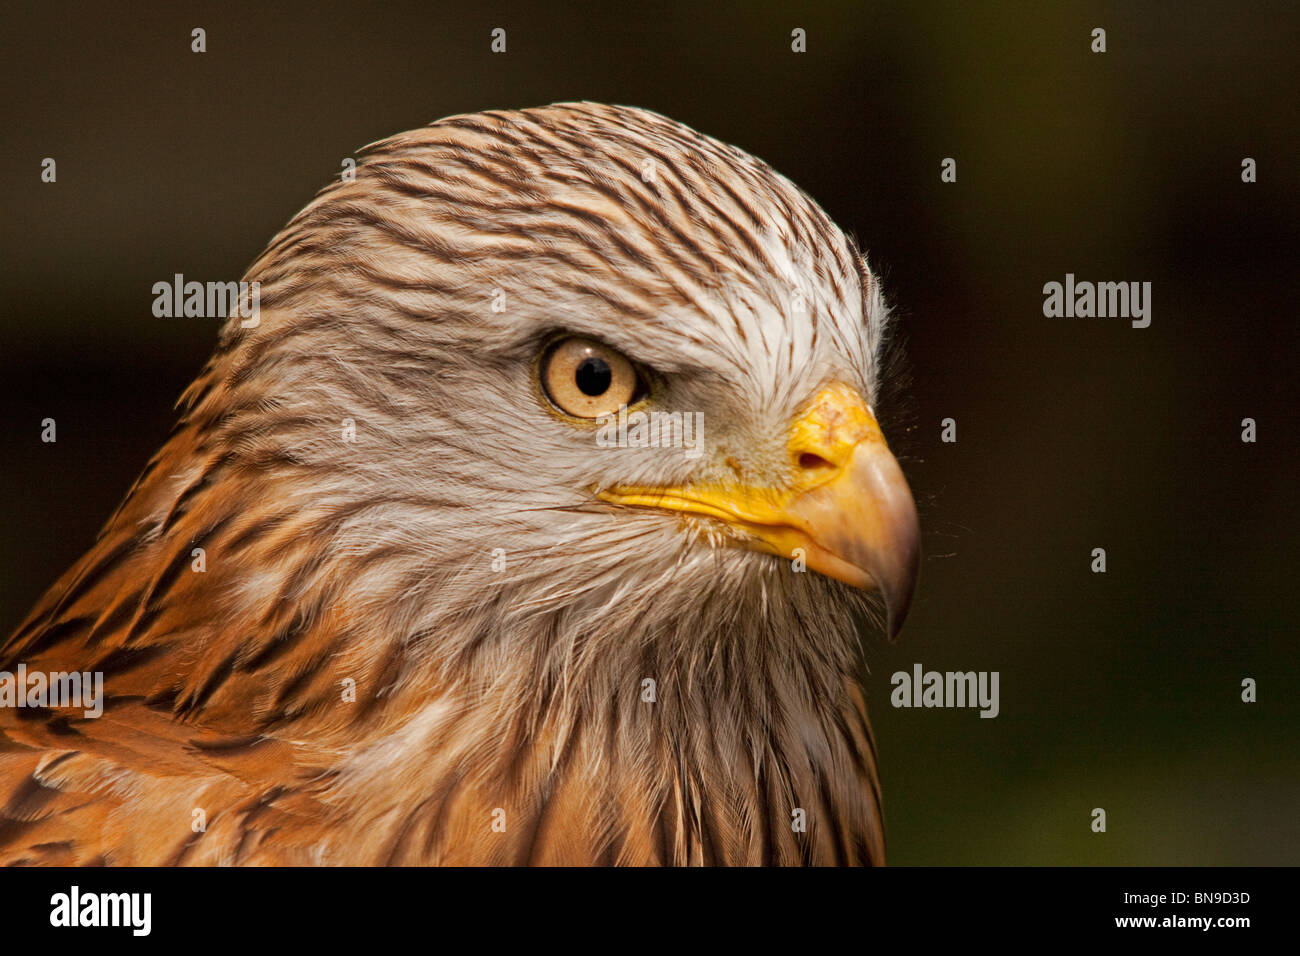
x,y
845,508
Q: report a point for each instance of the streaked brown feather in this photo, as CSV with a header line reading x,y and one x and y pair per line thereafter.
x,y
518,693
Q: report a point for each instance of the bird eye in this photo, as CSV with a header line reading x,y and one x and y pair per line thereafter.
x,y
586,379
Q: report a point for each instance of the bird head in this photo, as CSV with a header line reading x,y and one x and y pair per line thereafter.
x,y
539,409
586,353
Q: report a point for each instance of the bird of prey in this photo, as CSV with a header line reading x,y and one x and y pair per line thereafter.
x,y
407,584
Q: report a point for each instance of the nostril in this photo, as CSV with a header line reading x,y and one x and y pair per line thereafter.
x,y
811,462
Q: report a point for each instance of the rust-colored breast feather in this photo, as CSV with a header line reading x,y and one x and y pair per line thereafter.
x,y
309,653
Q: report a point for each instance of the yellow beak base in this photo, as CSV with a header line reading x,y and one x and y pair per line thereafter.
x,y
846,508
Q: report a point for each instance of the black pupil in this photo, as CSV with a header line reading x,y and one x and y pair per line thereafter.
x,y
593,376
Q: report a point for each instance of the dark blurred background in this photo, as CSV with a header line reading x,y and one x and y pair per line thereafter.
x,y
1118,690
